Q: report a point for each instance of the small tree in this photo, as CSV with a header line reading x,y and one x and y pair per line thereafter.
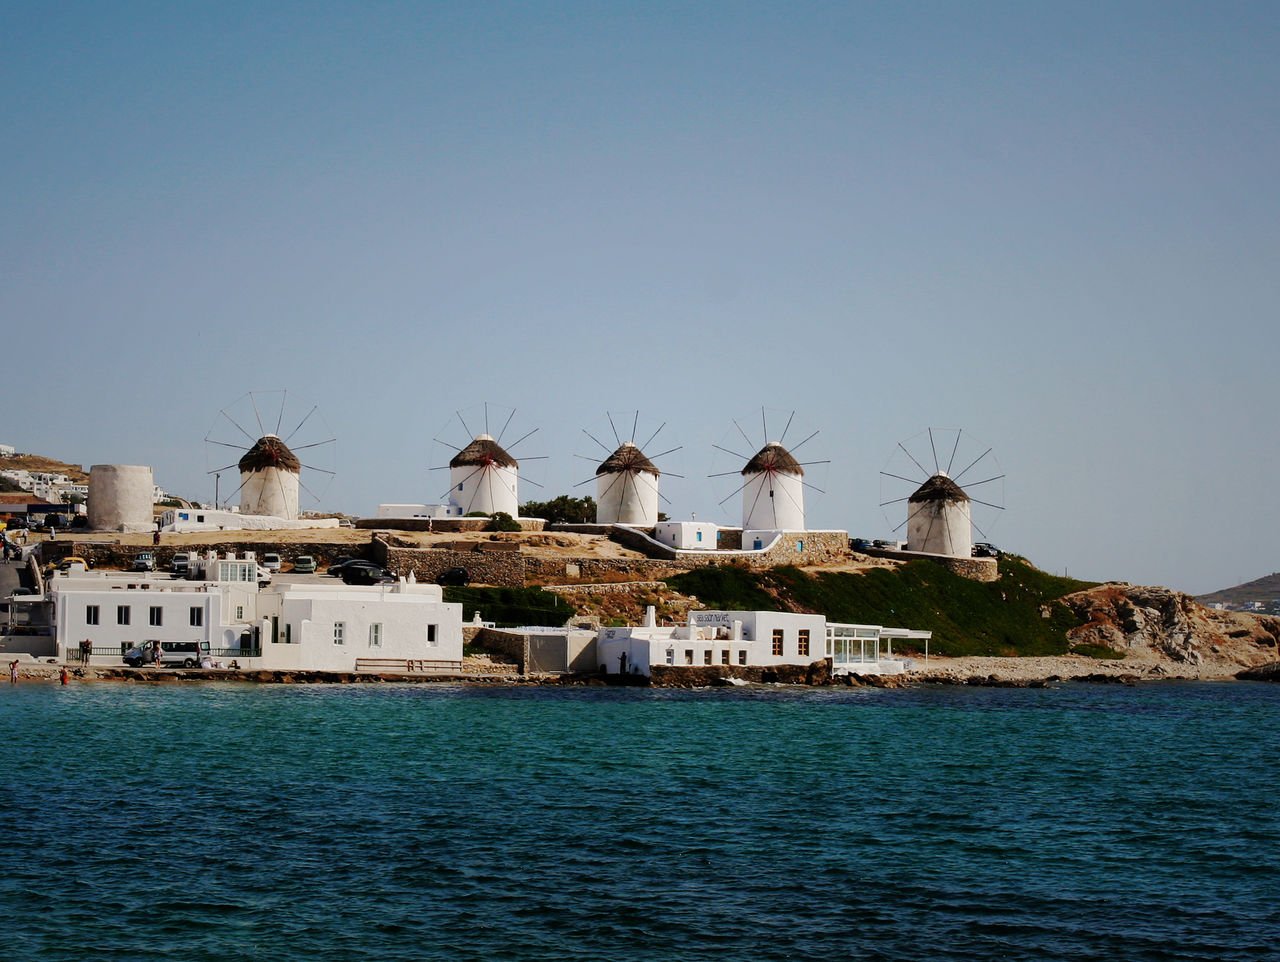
x,y
501,521
562,510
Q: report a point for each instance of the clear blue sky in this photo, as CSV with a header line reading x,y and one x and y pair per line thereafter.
x,y
1054,225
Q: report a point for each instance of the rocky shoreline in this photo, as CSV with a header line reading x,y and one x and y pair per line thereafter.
x,y
1027,672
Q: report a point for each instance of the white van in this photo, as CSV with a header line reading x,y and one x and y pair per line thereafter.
x,y
188,654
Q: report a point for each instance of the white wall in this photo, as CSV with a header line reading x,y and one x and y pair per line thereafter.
x,y
940,527
627,497
484,488
308,615
773,500
687,535
269,491
120,497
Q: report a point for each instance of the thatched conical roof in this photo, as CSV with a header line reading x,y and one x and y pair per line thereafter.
x,y
270,452
628,457
773,457
938,488
483,451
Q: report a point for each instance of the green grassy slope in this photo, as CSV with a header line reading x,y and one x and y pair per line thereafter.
x,y
511,606
966,617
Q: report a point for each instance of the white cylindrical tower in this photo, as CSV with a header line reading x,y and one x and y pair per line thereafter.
x,y
483,478
269,479
773,496
939,519
121,497
627,488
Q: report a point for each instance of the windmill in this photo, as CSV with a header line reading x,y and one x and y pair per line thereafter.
x,y
627,480
483,476
773,482
926,473
271,472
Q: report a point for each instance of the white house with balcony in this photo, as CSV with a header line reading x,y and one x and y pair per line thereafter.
x,y
285,626
759,639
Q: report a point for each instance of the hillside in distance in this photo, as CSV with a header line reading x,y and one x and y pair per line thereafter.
x,y
1259,589
40,464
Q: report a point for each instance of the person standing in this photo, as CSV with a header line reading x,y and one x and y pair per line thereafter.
x,y
62,675
13,672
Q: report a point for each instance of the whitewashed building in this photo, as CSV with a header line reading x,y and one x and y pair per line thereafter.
x,y
284,626
269,479
627,488
687,535
939,518
773,491
752,639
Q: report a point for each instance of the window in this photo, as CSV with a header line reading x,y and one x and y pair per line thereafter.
x,y
375,635
156,616
706,657
698,536
90,614
671,656
288,633
122,614
688,656
803,643
724,657
777,641
742,657
196,616
431,635
799,545
339,633
239,612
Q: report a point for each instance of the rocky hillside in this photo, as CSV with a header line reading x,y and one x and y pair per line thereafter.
x,y
1263,589
1141,622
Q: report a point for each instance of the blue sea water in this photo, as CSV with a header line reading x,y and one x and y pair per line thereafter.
x,y
446,822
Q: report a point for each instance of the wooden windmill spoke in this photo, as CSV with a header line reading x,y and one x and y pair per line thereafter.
x,y
796,447
886,474
954,448
973,484
603,447
224,444
233,464
312,467
254,401
741,457
971,464
922,468
529,435
452,486
504,423
988,504
301,423
787,428
252,439
934,449
738,490
654,435
314,444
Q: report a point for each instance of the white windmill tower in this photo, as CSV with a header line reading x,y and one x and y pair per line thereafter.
x,y
269,478
627,481
484,478
270,469
773,483
941,514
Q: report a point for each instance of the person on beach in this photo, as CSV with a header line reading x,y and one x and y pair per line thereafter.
x,y
157,654
86,649
13,672
62,675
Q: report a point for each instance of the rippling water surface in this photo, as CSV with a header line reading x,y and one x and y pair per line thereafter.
x,y
427,822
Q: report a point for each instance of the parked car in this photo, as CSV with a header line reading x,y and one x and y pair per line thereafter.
x,y
304,564
144,561
271,561
66,564
366,573
339,563
264,576
181,563
985,549
188,654
453,576
859,544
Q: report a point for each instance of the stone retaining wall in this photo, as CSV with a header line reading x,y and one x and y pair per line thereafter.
x,y
500,569
441,524
102,554
703,676
975,569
